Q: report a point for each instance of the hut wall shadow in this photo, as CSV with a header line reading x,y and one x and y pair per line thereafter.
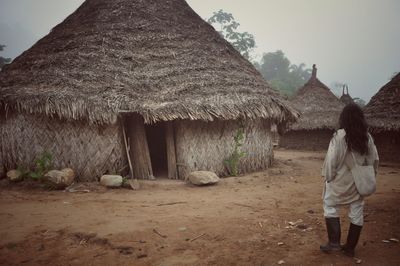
x,y
388,145
306,139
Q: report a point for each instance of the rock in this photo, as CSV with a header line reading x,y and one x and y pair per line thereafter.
x,y
281,262
200,178
14,175
111,181
60,179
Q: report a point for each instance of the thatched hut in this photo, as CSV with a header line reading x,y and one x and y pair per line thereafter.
x,y
154,71
346,98
383,116
320,110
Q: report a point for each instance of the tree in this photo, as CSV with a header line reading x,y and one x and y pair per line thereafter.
x,y
360,102
243,42
3,60
282,75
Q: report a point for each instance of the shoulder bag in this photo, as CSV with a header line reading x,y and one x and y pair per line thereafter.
x,y
364,178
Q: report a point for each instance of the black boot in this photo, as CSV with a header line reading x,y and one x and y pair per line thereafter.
x,y
352,240
333,228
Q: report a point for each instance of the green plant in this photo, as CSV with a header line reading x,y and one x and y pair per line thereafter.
x,y
233,160
24,172
42,165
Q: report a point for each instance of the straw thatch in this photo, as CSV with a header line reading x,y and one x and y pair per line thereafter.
x,y
90,150
155,58
383,110
192,154
319,107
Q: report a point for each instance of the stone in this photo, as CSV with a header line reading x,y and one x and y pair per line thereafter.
x,y
200,178
14,175
60,179
111,181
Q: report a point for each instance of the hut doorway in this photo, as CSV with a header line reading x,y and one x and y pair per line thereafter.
x,y
152,148
156,139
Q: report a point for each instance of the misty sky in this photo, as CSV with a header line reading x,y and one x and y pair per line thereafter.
x,y
351,41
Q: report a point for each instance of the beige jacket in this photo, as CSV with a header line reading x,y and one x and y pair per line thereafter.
x,y
339,183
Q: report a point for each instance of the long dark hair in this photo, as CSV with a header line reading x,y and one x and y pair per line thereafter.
x,y
352,120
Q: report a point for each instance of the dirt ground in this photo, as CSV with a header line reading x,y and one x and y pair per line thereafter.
x,y
257,219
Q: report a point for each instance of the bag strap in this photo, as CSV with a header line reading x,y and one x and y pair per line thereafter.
x,y
354,158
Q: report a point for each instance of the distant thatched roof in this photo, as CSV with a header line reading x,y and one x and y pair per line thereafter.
x,y
346,98
383,110
319,107
153,57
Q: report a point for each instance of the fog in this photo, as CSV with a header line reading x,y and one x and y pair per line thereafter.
x,y
356,42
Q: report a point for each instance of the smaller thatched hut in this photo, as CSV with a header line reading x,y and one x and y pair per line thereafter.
x,y
346,98
383,116
320,110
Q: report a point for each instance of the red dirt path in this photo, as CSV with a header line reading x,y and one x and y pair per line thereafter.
x,y
240,221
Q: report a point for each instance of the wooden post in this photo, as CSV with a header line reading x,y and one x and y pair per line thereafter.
x,y
171,153
127,148
139,149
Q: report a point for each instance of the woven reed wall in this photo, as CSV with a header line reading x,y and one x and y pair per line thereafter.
x,y
388,145
306,139
89,149
205,146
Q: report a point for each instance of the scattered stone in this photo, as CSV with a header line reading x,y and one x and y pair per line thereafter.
x,y
182,229
134,183
111,181
125,250
275,171
302,226
281,262
357,260
200,178
310,211
395,240
281,243
385,241
60,179
140,256
14,175
296,222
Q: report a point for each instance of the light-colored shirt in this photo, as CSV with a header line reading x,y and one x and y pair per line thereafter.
x,y
339,183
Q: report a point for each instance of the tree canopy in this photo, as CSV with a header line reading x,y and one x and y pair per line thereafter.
x,y
228,27
3,60
281,74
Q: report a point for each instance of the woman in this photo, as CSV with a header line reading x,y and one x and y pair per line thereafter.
x,y
351,142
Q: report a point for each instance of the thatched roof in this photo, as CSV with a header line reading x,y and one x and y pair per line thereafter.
x,y
319,107
156,58
346,98
383,110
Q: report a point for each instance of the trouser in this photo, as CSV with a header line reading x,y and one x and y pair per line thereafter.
x,y
355,212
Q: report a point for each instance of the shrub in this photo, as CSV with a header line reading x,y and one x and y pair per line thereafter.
x,y
232,162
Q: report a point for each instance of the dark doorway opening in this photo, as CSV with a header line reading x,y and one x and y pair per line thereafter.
x,y
156,139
